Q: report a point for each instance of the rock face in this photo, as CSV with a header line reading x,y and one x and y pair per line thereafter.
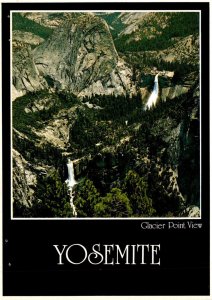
x,y
80,57
25,76
173,92
51,20
149,23
187,49
166,92
23,180
27,37
191,212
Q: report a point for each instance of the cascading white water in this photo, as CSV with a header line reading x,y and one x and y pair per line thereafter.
x,y
154,95
71,182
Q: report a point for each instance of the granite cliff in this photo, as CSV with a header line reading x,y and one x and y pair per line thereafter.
x,y
78,57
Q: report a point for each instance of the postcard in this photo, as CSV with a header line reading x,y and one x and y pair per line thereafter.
x,y
105,110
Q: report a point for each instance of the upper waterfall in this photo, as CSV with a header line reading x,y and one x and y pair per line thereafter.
x,y
154,95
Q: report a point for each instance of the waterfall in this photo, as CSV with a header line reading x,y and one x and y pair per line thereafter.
x,y
71,182
154,95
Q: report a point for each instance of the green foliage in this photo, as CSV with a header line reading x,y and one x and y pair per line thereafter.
x,y
21,211
45,153
23,24
180,69
180,24
183,24
24,121
110,120
110,18
86,198
189,162
52,198
136,189
118,183
83,133
115,205
114,22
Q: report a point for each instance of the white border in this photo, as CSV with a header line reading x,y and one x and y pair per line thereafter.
x,y
130,218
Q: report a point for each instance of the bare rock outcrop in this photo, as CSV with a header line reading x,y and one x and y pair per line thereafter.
x,y
23,180
80,57
25,76
27,37
191,212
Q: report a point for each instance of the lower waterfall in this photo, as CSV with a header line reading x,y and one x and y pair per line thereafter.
x,y
154,95
71,182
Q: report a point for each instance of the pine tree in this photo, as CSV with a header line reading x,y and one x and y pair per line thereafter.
x,y
136,189
86,198
115,204
52,198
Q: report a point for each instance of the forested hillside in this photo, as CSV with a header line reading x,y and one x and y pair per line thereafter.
x,y
24,24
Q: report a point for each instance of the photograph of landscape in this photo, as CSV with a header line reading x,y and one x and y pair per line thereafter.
x,y
105,114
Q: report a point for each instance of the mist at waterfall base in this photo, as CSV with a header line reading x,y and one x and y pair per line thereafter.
x,y
154,95
71,182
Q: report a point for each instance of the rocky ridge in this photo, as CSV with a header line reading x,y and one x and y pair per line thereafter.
x,y
47,19
151,24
